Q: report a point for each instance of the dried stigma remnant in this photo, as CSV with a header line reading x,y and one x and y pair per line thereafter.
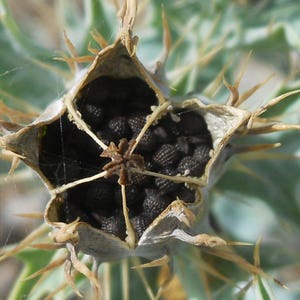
x,y
128,168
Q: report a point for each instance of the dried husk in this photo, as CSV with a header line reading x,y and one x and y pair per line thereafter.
x,y
118,61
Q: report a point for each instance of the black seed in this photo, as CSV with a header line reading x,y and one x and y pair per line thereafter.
x,y
133,195
186,194
99,194
114,225
136,122
164,185
119,127
201,153
107,136
188,166
92,115
171,127
139,179
191,123
140,223
162,135
182,145
155,203
149,164
198,139
166,155
96,92
147,143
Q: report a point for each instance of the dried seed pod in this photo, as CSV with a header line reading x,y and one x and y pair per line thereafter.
x,y
74,208
67,170
120,85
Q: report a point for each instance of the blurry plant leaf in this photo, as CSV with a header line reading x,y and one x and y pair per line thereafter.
x,y
33,260
19,74
263,292
187,271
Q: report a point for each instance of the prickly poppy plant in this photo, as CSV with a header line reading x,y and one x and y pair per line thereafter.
x,y
129,167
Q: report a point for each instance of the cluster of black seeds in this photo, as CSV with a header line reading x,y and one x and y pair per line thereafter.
x,y
116,110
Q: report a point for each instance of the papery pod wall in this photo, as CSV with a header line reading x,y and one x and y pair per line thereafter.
x,y
165,156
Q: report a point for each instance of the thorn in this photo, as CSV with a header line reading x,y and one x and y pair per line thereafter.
x,y
30,215
51,266
261,147
154,263
274,101
233,243
234,93
98,37
79,59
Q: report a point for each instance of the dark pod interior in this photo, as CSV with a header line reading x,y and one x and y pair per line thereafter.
x,y
116,109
